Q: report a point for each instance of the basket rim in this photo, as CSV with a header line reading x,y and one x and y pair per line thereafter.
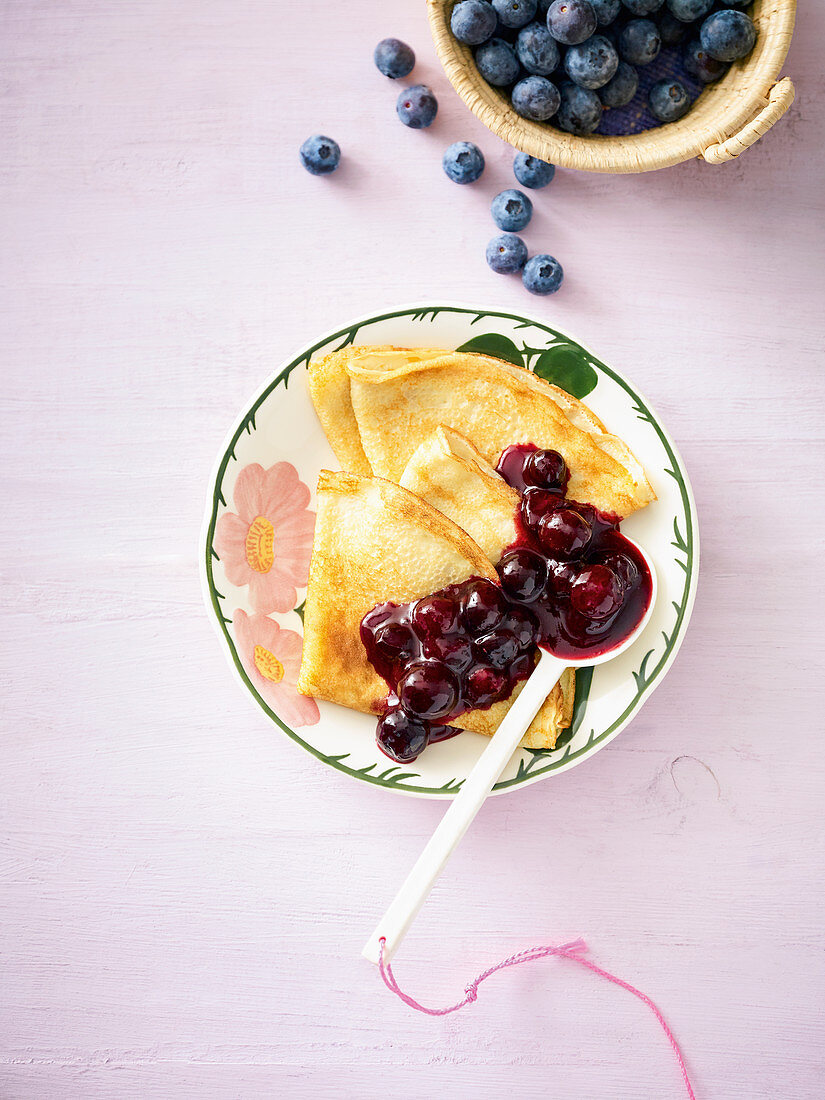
x,y
723,108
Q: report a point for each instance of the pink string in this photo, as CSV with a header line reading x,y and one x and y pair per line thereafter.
x,y
573,950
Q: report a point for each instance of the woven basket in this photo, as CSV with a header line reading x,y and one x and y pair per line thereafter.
x,y
727,118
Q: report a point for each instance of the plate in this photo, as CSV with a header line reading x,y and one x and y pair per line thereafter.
x,y
264,481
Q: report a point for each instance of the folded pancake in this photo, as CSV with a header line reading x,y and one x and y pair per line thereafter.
x,y
377,542
377,405
451,474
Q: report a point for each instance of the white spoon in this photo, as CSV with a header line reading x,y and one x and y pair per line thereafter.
x,y
396,921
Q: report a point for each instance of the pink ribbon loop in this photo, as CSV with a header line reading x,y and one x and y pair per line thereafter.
x,y
574,951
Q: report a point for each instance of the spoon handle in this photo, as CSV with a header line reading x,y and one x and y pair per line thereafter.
x,y
455,822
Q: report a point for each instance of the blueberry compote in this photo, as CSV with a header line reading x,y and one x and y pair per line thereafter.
x,y
570,583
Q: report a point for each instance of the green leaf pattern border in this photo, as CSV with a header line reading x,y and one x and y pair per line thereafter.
x,y
537,762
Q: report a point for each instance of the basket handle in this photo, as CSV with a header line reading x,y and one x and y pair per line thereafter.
x,y
780,97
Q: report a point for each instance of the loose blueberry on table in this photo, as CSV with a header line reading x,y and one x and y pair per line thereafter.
x,y
511,210
320,155
571,583
417,107
394,58
542,274
463,162
506,254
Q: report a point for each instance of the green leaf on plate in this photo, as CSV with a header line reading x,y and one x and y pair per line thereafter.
x,y
567,367
490,343
584,677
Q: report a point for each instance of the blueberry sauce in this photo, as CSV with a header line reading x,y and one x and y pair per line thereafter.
x,y
571,583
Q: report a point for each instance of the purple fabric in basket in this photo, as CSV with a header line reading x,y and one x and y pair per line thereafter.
x,y
636,116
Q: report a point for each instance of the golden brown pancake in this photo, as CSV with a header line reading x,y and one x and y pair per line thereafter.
x,y
378,404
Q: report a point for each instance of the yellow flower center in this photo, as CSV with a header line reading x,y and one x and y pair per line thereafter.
x,y
260,545
268,665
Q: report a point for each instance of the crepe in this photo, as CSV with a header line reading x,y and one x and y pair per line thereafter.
x,y
378,404
377,542
451,474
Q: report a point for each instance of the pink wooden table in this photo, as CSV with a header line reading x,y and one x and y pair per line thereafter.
x,y
178,919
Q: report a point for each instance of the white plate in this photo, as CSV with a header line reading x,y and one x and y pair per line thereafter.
x,y
280,427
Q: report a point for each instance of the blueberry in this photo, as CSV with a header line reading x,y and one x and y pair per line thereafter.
x,y
400,736
536,503
622,88
506,254
571,21
606,11
640,42
536,98
394,58
482,606
463,162
565,533
536,49
700,64
542,275
671,30
497,62
320,155
532,172
515,13
580,111
669,100
523,574
499,648
643,7
597,592
728,35
428,689
473,21
593,63
547,469
511,210
688,10
435,615
417,107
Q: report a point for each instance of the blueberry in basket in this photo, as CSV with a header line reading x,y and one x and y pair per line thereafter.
x,y
593,63
580,110
728,35
687,11
640,42
515,13
463,162
669,100
536,98
571,21
497,62
536,50
473,21
619,91
700,65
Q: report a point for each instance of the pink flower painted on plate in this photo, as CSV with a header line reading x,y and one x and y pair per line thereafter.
x,y
268,543
272,658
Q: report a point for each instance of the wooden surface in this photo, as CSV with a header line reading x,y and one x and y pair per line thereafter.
x,y
183,893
